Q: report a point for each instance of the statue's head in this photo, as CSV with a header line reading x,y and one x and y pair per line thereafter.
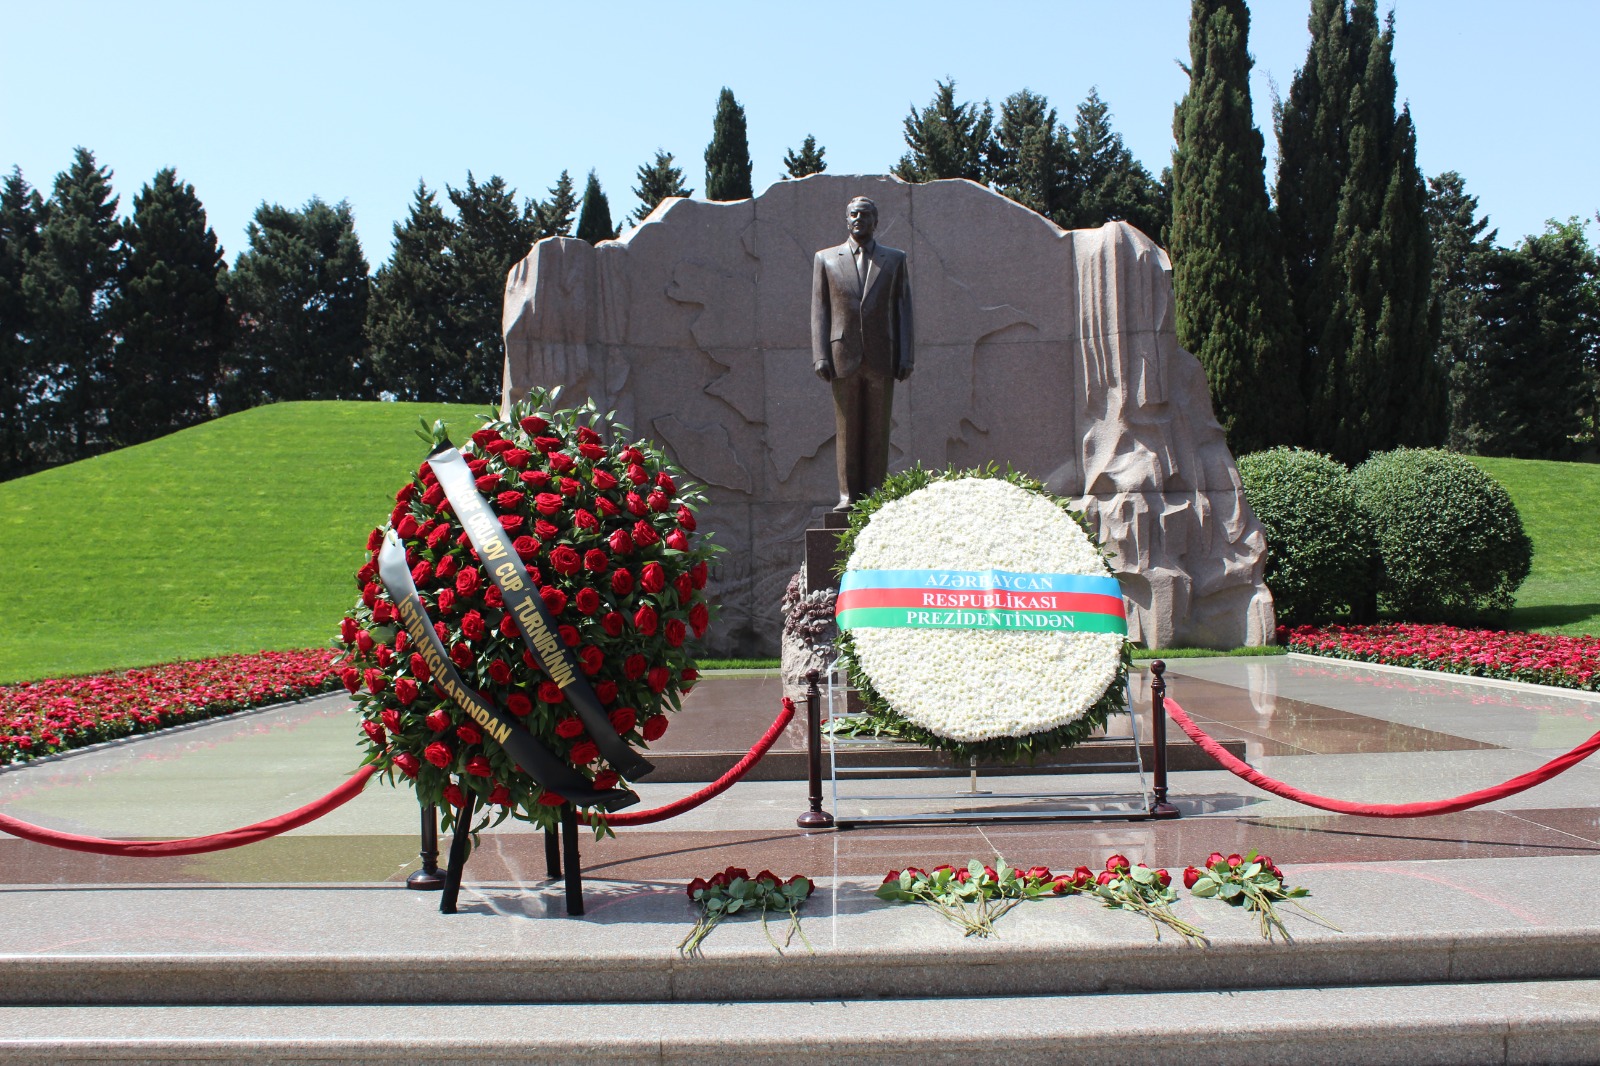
x,y
861,218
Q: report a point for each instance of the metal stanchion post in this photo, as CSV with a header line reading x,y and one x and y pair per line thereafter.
x,y
816,817
430,878
1158,730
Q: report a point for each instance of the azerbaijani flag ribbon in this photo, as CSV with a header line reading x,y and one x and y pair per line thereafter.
x,y
980,599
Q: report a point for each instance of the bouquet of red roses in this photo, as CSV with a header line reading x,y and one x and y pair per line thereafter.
x,y
528,615
1253,882
1122,886
734,890
974,896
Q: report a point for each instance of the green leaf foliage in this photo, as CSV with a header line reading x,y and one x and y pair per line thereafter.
x,y
805,162
947,139
1320,552
728,168
658,181
1462,251
418,350
1226,275
1451,541
594,217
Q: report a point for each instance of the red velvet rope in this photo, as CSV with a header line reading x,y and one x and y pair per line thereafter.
x,y
232,838
1520,783
716,788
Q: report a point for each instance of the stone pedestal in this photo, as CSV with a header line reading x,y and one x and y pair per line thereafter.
x,y
822,552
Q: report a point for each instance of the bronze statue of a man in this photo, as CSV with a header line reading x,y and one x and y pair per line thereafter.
x,y
861,343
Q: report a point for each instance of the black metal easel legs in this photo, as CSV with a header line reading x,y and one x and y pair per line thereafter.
x,y
459,847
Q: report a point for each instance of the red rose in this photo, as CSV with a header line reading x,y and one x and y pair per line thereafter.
x,y
652,578
569,487
605,779
510,499
678,540
666,483
382,612
698,574
634,667
472,623
1234,860
551,799
612,623
595,561
419,668
1105,877
438,720
368,571
621,582
584,520
364,642
686,518
492,596
445,568
405,690
485,436
569,728
1116,862
351,678
654,727
561,462
499,672
569,635
454,796
478,766
501,796
684,587
498,447
519,705
636,474
547,444
468,581
658,679
555,601
516,458
547,503
1190,876
525,547
689,676
591,658
603,480
644,620
605,506
468,733
434,496
636,505
623,719
533,425
621,543
1265,861
606,691
438,753
545,529
584,752
407,764
674,631
534,479
550,692
511,522
591,451
421,572
699,619
374,732
586,435
407,528
588,601
391,719
348,630
376,682
462,656
374,540
631,454
644,534
487,483
565,560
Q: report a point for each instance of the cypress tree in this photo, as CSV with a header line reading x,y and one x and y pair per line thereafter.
x,y
947,140
1227,275
554,215
728,169
69,285
300,289
806,162
491,237
171,314
1461,254
1107,183
418,351
1031,155
21,214
658,181
594,218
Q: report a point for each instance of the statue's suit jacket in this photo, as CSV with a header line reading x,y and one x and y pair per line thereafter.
x,y
854,326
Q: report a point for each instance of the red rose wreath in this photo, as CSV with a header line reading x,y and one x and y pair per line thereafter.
x,y
604,534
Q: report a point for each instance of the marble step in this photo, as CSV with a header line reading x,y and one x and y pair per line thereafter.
x,y
1462,1024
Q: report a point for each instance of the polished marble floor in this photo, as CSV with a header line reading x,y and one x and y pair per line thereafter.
x,y
1347,730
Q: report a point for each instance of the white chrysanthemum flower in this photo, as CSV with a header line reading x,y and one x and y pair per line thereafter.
x,y
972,685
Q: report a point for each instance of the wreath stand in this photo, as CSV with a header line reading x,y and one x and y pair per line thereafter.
x,y
969,807
431,878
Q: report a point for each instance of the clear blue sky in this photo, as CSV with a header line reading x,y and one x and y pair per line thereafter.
x,y
280,101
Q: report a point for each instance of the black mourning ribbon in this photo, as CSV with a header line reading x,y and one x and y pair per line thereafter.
x,y
548,771
522,599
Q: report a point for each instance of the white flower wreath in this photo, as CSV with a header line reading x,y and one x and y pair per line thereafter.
x,y
975,685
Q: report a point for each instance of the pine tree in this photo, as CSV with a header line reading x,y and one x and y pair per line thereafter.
x,y
947,140
594,218
300,290
1031,155
417,348
171,314
1227,275
1461,255
805,163
657,182
1107,183
21,214
491,237
554,216
728,169
69,285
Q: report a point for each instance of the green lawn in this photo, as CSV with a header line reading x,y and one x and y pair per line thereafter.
x,y
1560,506
242,534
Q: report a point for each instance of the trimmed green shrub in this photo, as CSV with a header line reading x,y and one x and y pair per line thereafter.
x,y
1319,548
1451,540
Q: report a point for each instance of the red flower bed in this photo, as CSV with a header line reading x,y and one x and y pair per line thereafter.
x,y
1566,662
42,717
